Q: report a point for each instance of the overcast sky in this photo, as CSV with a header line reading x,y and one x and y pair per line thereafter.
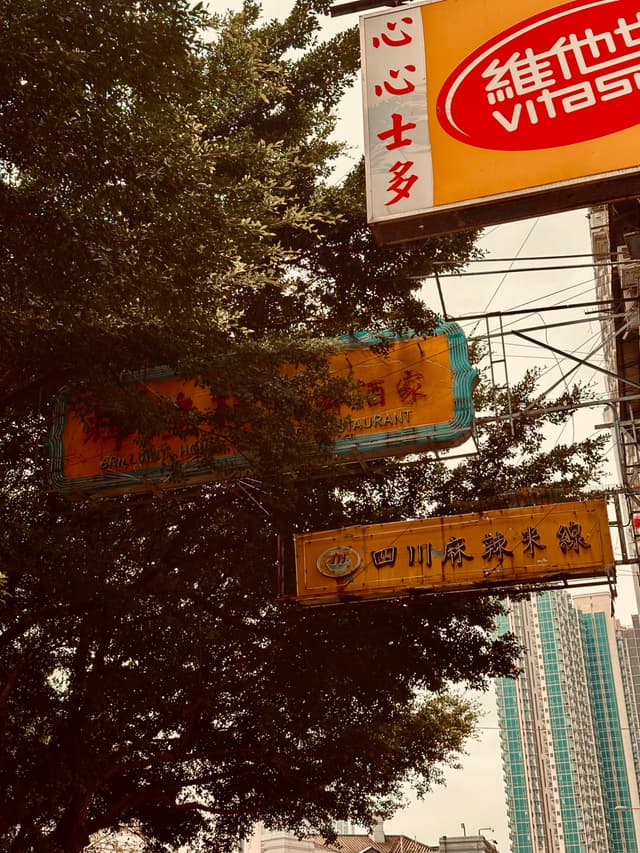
x,y
473,797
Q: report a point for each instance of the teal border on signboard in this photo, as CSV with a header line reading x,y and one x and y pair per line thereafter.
x,y
417,439
396,442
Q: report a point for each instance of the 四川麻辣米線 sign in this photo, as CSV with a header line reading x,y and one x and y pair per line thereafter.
x,y
497,549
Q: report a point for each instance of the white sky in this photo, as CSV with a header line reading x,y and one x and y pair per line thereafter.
x,y
473,797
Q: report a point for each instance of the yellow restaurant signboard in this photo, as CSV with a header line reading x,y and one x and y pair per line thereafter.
x,y
485,551
478,112
417,396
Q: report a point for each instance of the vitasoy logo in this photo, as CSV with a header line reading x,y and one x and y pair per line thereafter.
x,y
564,76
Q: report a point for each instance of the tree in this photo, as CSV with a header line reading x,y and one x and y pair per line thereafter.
x,y
167,200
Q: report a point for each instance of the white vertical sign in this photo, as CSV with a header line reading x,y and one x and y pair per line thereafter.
x,y
397,146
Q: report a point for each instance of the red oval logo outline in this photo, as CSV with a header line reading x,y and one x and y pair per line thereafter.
x,y
566,75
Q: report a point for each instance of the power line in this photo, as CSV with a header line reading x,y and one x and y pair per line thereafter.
x,y
557,267
593,303
450,261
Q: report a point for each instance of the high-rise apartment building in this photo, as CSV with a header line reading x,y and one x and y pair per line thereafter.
x,y
608,678
567,745
629,652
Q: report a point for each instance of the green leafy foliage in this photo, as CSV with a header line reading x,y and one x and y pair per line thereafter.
x,y
166,199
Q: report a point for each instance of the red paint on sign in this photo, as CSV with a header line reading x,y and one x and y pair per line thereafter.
x,y
567,75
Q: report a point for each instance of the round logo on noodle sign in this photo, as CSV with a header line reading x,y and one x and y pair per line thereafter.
x,y
339,562
566,75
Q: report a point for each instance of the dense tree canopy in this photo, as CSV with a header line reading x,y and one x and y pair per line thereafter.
x,y
166,198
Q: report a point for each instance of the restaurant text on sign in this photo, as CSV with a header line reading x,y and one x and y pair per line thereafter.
x,y
494,548
417,394
548,544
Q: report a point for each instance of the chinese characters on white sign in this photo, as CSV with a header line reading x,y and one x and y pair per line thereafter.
x,y
398,134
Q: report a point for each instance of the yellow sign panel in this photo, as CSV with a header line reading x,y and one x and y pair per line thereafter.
x,y
417,395
523,546
480,112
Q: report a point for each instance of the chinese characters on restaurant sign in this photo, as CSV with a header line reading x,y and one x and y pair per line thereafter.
x,y
416,395
455,93
525,546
